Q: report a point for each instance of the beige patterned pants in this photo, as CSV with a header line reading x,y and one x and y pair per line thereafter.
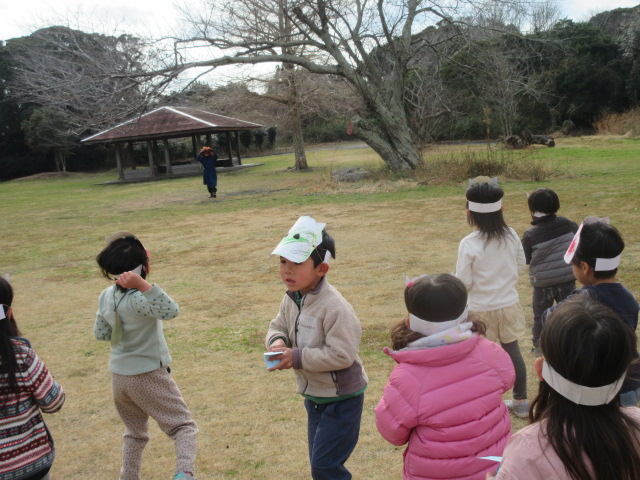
x,y
156,395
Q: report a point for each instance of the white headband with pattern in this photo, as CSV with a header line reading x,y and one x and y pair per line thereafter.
x,y
602,264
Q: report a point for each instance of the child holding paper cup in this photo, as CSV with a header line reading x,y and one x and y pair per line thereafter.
x,y
444,396
318,335
130,315
579,431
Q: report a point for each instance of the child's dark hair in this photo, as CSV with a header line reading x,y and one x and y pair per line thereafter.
x,y
491,225
598,240
8,330
327,244
123,253
436,298
587,343
544,200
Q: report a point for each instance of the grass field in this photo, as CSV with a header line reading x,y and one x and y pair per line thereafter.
x,y
212,257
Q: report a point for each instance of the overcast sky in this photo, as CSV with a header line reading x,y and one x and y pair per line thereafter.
x,y
21,17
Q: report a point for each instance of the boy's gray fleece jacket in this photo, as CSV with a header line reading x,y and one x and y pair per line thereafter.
x,y
324,334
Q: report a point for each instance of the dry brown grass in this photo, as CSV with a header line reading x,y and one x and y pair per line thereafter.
x,y
627,123
214,261
252,424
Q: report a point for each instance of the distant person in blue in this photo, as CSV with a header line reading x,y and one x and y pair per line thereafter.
x,y
209,160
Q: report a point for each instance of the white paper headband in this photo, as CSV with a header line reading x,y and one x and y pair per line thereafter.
x,y
580,394
485,207
425,327
137,270
2,314
606,264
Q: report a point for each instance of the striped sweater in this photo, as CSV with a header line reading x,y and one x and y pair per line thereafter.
x,y
25,444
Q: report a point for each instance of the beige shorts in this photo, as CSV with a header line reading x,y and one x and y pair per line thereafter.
x,y
505,324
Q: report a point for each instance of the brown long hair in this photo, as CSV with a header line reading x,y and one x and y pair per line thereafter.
x,y
586,342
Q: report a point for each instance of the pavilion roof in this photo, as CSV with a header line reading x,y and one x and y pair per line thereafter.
x,y
170,122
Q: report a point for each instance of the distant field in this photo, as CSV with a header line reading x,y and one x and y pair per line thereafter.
x,y
212,257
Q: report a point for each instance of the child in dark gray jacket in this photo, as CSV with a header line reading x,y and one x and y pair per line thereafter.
x,y
544,246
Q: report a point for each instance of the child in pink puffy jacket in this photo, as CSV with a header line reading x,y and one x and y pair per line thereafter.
x,y
444,398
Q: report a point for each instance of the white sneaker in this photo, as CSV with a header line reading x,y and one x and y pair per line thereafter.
x,y
520,408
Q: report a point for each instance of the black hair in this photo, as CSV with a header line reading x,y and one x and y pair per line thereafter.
x,y
598,240
587,343
437,298
122,254
491,225
327,244
8,330
544,200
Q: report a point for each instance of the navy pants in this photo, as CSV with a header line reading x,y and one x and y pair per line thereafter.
x,y
543,298
333,430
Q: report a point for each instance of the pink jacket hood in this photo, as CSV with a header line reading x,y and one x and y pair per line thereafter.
x,y
446,402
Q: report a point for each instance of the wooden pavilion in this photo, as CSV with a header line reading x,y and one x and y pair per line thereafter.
x,y
165,123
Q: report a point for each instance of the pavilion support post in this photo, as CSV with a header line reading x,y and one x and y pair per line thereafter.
x,y
119,155
130,156
152,168
229,152
237,143
156,157
167,155
195,143
209,140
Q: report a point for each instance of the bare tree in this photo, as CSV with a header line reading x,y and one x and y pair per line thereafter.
x,y
76,83
336,37
501,76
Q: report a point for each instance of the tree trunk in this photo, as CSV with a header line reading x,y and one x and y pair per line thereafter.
x,y
298,139
393,143
60,160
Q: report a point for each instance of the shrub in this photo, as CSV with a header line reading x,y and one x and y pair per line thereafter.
x,y
461,165
326,132
245,138
258,138
627,123
272,132
15,166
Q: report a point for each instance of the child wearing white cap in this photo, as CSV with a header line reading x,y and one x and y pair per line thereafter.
x,y
319,334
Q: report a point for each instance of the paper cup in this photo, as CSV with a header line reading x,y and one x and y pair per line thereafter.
x,y
268,361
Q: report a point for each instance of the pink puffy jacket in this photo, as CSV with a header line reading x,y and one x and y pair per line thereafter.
x,y
447,403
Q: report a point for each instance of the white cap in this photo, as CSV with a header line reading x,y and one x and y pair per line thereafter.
x,y
302,239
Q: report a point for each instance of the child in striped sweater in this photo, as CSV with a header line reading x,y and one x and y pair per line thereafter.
x,y
26,389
